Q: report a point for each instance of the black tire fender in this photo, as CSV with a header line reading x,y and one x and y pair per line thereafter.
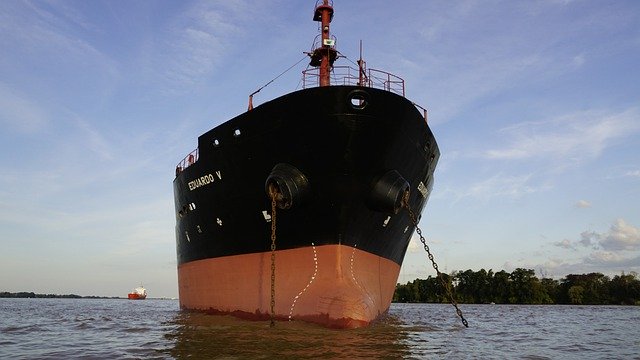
x,y
290,184
387,191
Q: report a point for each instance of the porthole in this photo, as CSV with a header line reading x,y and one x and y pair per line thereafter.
x,y
216,142
358,99
236,132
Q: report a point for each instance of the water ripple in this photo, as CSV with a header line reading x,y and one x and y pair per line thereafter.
x,y
156,329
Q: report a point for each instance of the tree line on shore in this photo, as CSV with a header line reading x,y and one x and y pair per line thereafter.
x,y
30,295
523,287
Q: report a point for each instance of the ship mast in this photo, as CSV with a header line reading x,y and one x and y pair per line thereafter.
x,y
324,55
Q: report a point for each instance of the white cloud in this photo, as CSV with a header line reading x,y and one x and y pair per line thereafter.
x,y
42,33
610,252
604,257
472,58
589,238
200,39
573,137
578,60
497,186
501,186
565,244
621,236
607,263
414,243
634,173
583,204
19,112
95,141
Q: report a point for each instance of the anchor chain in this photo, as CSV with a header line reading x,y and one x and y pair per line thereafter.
x,y
273,194
445,284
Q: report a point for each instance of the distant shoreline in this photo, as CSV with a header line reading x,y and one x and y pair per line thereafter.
x,y
32,295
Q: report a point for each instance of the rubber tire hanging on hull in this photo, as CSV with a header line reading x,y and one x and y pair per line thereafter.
x,y
387,191
291,184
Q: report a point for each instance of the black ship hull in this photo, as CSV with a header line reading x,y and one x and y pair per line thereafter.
x,y
357,149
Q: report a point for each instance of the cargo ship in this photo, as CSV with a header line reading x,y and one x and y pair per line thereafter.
x,y
298,209
139,293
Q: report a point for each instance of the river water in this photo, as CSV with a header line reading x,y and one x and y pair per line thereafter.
x,y
157,329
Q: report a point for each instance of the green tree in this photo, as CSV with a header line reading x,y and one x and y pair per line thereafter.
x,y
435,293
525,287
473,287
576,294
550,289
500,287
402,293
625,289
595,289
519,287
465,287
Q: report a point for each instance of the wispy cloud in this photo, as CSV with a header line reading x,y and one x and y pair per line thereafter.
x,y
54,58
415,245
59,14
200,39
565,244
498,186
579,60
19,113
44,31
611,251
583,204
589,239
633,173
573,137
94,140
620,237
474,55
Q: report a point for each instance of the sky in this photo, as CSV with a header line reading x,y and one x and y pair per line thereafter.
x,y
535,106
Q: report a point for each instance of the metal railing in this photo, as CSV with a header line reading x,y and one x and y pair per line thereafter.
x,y
188,160
346,75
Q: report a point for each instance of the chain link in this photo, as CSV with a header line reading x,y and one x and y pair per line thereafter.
x,y
273,193
445,284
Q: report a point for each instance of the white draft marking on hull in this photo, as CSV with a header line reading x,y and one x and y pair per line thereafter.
x,y
353,275
315,272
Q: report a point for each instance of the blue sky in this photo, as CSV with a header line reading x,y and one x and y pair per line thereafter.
x,y
535,106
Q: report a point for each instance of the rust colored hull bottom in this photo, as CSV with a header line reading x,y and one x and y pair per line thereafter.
x,y
332,285
133,296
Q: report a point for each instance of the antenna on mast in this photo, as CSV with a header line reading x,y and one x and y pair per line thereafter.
x,y
324,55
362,69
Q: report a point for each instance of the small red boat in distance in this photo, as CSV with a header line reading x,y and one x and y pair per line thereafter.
x,y
139,293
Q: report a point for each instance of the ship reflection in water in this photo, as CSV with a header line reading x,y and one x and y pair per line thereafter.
x,y
202,336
